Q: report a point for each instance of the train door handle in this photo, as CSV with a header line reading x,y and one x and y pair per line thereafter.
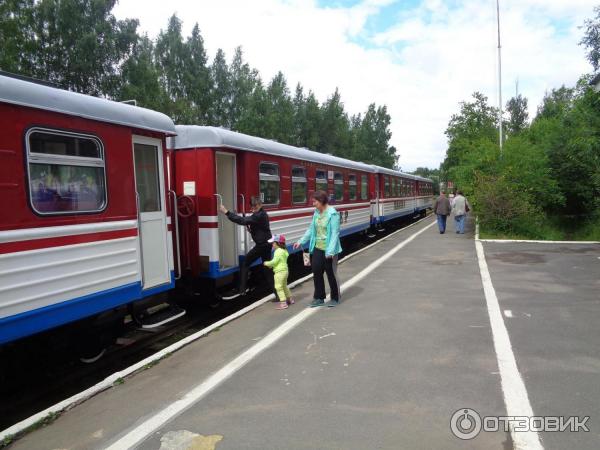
x,y
220,198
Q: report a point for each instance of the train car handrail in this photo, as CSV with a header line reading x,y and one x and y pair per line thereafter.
x,y
175,217
139,221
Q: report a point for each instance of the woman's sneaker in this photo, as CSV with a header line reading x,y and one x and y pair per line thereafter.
x,y
282,305
290,301
333,303
317,302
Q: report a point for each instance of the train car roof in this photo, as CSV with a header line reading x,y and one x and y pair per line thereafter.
x,y
194,136
396,173
34,95
417,177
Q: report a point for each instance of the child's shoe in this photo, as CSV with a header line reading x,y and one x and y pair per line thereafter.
x,y
290,301
282,305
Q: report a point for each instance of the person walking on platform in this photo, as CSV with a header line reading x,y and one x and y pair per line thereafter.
x,y
258,226
442,209
280,270
323,236
460,208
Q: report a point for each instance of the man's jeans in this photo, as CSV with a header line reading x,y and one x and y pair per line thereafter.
x,y
459,221
441,220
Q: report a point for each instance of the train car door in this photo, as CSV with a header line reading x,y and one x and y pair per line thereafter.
x,y
152,217
226,188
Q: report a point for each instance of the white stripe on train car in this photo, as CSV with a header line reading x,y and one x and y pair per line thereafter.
x,y
208,219
27,234
65,272
208,241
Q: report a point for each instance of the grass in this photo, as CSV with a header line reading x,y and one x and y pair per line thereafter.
x,y
551,229
590,231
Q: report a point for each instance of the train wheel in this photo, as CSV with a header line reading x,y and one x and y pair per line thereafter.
x,y
91,349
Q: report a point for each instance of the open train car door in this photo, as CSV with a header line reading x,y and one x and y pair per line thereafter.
x,y
226,189
152,216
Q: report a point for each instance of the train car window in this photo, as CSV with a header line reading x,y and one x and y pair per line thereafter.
x,y
387,189
269,183
66,172
352,187
364,187
338,186
299,188
321,180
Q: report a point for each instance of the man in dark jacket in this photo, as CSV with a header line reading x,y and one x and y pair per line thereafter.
x,y
441,207
258,226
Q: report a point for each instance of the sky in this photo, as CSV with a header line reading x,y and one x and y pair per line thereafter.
x,y
421,58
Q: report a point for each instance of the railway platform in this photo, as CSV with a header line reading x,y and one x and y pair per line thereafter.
x,y
429,325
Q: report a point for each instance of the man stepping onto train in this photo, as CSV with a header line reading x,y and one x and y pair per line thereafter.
x,y
258,227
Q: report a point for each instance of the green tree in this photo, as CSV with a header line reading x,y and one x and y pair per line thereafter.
x,y
80,45
243,82
334,134
252,120
472,139
17,37
220,90
141,78
196,77
280,116
172,56
518,114
591,39
556,102
311,126
372,136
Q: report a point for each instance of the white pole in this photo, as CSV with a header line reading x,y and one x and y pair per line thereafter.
x,y
501,138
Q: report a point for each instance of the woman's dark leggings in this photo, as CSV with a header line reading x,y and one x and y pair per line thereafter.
x,y
322,264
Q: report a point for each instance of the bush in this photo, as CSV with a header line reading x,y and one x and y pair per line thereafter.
x,y
503,208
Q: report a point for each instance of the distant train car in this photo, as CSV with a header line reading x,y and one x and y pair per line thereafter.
x,y
214,165
400,195
423,194
85,218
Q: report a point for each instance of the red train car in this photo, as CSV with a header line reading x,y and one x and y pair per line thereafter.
x,y
85,217
215,165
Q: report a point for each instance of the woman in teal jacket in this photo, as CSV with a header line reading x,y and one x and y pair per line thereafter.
x,y
323,237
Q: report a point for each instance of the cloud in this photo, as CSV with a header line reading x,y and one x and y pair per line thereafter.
x,y
422,62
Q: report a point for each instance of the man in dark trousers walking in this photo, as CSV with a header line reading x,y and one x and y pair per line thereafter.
x,y
258,226
442,209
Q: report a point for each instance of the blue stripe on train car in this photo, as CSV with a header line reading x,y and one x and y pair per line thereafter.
x,y
396,215
41,319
